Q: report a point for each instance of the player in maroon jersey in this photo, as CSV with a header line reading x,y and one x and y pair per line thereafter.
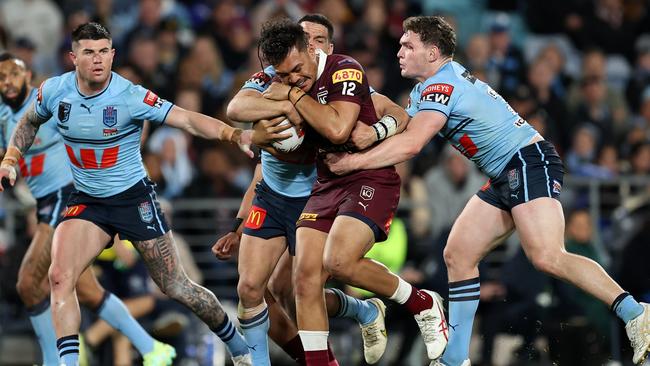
x,y
345,215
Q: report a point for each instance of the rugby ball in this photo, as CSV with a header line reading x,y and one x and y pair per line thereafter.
x,y
290,143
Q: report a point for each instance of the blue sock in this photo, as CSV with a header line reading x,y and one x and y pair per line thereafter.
x,y
626,307
234,341
41,318
115,313
256,331
362,311
463,302
68,347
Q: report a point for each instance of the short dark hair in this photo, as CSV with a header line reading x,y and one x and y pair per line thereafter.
x,y
279,37
433,30
322,20
92,31
7,56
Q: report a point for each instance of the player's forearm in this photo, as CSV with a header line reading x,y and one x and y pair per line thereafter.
x,y
247,200
210,128
325,119
25,132
251,106
390,152
385,106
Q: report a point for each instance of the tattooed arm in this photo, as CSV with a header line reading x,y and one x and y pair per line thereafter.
x,y
20,141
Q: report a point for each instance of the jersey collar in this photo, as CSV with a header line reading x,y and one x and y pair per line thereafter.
x,y
322,59
76,85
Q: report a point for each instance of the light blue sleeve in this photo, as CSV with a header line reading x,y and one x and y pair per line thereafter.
x,y
5,116
437,96
260,81
145,104
412,106
46,92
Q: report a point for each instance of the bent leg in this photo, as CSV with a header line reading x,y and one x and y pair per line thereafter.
x,y
161,258
34,288
76,243
257,259
478,229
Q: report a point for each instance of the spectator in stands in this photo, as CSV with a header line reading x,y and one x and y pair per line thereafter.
x,y
506,68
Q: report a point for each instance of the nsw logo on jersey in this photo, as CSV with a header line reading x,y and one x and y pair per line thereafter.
x,y
437,93
146,211
110,116
64,111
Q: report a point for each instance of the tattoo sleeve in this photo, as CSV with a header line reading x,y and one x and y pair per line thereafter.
x,y
162,261
26,130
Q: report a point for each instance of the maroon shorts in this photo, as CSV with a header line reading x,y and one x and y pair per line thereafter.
x,y
370,196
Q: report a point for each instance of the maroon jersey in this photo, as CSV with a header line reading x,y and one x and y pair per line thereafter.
x,y
341,79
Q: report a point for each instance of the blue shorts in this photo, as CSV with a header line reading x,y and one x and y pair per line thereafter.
x,y
534,171
50,208
134,214
274,215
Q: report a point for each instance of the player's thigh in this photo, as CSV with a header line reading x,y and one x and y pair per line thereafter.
x,y
477,230
37,259
76,243
258,257
540,226
348,240
310,244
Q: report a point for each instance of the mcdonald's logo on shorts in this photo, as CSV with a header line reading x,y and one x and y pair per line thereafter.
x,y
255,218
73,211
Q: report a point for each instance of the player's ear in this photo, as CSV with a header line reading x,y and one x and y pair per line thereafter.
x,y
434,53
73,57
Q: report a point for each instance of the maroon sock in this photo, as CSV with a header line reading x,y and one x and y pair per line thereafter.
x,y
418,301
294,349
317,358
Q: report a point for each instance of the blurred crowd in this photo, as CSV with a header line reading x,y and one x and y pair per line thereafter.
x,y
577,70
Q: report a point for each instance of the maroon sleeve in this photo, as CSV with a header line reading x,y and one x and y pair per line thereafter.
x,y
347,82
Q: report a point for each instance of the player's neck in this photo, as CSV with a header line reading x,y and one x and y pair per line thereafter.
x,y
435,67
88,88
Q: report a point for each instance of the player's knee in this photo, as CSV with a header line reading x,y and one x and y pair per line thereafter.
x,y
61,278
454,259
338,268
307,286
25,285
249,291
547,261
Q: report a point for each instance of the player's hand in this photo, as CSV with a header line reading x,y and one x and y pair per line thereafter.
x,y
292,114
339,163
267,131
245,141
226,246
277,91
7,172
362,136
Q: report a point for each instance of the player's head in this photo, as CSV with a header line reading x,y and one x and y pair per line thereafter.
x,y
427,40
284,45
92,52
320,32
15,79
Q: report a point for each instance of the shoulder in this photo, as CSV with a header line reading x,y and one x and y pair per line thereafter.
x,y
338,61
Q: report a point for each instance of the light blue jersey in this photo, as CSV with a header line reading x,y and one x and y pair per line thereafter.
x,y
480,122
101,133
44,165
285,178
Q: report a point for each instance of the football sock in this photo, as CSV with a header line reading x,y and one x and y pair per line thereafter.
x,y
626,307
415,300
463,302
254,323
41,318
315,345
349,307
68,347
294,349
115,313
234,341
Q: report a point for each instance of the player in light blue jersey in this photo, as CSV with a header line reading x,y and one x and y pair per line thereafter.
x,y
281,188
49,179
99,114
525,181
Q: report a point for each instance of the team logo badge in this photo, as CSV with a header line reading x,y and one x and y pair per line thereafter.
x,y
437,93
110,116
64,111
557,187
513,179
146,211
261,78
255,218
322,97
367,193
